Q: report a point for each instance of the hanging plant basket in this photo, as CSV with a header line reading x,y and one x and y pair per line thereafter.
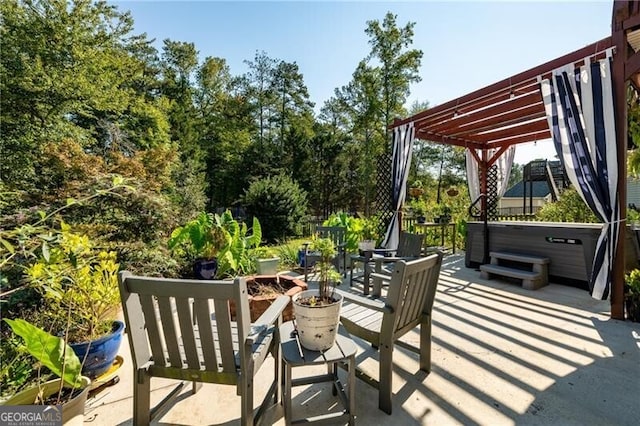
x,y
416,192
452,192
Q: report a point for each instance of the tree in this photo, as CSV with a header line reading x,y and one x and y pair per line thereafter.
x,y
398,66
67,70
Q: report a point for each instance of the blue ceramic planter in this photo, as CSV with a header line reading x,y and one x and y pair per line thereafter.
x,y
100,353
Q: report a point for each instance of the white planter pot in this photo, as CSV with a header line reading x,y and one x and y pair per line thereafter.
x,y
317,325
267,266
365,245
72,411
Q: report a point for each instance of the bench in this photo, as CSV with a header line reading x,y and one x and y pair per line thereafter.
x,y
533,278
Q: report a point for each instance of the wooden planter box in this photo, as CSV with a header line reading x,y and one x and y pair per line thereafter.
x,y
258,303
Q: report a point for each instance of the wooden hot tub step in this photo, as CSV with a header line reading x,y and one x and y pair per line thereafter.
x,y
537,276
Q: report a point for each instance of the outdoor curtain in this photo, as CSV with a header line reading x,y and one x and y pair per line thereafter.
x,y
503,164
403,137
580,112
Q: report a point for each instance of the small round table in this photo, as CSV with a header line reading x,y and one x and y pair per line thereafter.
x,y
294,355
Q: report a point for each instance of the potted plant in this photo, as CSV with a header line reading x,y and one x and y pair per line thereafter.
x,y
632,295
445,214
369,234
317,312
201,239
419,211
79,286
69,390
266,262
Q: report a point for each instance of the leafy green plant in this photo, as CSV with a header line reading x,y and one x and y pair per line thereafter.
x,y
51,351
220,236
288,253
202,237
357,229
73,276
632,281
569,208
279,203
328,275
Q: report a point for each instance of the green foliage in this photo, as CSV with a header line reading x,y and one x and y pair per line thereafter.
x,y
73,276
632,281
357,229
280,205
569,208
288,253
51,351
202,237
328,275
220,236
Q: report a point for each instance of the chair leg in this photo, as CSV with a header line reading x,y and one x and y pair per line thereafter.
x,y
386,373
246,399
141,398
196,386
425,344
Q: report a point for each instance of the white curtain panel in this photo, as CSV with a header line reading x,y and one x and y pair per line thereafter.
x,y
403,137
503,164
580,112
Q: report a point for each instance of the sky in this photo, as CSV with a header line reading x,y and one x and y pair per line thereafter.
x,y
466,45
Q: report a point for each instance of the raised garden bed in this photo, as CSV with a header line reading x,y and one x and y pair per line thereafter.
x,y
264,289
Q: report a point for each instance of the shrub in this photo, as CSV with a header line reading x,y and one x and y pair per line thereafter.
x,y
279,203
569,208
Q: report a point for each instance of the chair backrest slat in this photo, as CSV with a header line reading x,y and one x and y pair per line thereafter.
x,y
337,234
202,312
409,245
176,326
153,330
412,284
223,328
169,331
185,320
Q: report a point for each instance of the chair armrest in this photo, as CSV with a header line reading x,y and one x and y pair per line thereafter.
x,y
391,259
268,318
374,304
380,276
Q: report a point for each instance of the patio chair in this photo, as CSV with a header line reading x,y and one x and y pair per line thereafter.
x,y
382,322
337,234
174,333
409,248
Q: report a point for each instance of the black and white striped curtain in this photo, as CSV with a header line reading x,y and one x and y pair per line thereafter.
x,y
402,147
580,112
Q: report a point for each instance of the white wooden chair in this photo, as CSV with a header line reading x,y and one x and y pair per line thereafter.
x,y
181,329
382,322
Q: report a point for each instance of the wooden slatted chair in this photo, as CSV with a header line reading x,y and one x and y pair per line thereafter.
x,y
382,322
174,333
409,248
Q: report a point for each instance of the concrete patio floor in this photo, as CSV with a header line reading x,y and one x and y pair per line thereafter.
x,y
501,356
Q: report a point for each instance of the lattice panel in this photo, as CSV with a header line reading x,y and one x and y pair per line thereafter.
x,y
383,198
492,193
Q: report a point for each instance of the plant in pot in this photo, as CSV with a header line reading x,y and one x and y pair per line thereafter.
x,y
201,239
632,295
419,211
79,286
317,312
445,214
369,234
69,390
266,261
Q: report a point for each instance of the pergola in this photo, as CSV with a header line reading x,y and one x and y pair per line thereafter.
x,y
512,112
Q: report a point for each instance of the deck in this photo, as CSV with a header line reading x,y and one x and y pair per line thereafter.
x,y
501,355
